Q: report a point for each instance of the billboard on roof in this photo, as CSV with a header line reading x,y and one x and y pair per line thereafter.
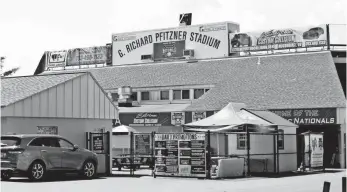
x,y
276,39
56,58
198,42
86,56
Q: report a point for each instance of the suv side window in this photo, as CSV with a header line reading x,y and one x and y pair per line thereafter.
x,y
45,142
65,144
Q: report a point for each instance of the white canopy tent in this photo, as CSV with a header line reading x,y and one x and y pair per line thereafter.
x,y
123,129
229,118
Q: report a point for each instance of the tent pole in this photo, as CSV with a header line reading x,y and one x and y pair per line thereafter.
x,y
248,149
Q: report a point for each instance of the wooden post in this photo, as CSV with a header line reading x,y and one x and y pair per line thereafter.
x,y
344,184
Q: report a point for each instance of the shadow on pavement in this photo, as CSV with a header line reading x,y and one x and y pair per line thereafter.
x,y
52,178
293,174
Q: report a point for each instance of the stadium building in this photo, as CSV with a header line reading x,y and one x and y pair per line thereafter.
x,y
164,78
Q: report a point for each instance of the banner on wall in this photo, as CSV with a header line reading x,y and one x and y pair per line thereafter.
x,y
314,143
276,39
56,58
86,56
308,116
51,130
177,118
145,119
180,154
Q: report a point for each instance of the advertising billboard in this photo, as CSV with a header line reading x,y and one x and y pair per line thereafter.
x,y
314,144
180,154
86,56
277,39
308,116
207,41
56,58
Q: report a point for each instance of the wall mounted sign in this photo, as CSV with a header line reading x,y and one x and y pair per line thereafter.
x,y
197,116
308,116
145,119
53,130
177,118
98,143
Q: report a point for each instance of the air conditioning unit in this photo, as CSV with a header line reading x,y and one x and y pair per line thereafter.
x,y
188,53
124,95
146,57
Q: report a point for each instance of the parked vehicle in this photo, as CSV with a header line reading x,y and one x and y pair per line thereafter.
x,y
35,156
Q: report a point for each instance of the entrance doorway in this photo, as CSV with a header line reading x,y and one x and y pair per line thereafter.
x,y
330,143
99,143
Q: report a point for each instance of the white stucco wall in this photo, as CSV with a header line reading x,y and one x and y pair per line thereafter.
x,y
72,129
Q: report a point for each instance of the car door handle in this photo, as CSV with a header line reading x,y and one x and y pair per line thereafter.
x,y
43,151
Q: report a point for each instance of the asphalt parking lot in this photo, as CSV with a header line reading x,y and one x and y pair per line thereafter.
x,y
305,183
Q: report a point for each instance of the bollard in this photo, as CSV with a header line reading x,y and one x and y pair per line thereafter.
x,y
326,187
343,184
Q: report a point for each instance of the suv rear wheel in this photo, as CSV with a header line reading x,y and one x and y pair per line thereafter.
x,y
37,171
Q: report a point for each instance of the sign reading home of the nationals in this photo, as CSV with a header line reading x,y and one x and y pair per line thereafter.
x,y
308,116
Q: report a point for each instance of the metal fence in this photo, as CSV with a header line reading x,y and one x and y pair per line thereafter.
x,y
249,154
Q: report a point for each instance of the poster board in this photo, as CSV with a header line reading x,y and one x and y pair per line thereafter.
x,y
142,144
314,144
180,154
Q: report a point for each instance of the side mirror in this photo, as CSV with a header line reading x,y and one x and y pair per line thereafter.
x,y
75,147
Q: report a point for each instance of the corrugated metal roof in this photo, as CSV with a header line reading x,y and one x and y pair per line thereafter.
x,y
303,80
14,89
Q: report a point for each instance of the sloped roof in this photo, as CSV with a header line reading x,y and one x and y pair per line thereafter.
x,y
302,80
272,117
14,89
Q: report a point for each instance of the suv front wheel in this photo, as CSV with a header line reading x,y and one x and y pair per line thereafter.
x,y
89,170
37,171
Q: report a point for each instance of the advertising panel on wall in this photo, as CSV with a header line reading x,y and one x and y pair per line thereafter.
x,y
177,118
276,39
56,58
146,119
86,56
109,54
47,130
207,41
180,154
197,116
308,116
314,143
142,144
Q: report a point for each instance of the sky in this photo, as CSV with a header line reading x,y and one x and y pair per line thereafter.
x,y
30,27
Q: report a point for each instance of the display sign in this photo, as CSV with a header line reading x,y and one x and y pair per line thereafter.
x,y
145,119
180,154
177,118
86,56
52,130
314,143
308,116
56,59
142,144
276,39
207,41
98,142
197,116
109,54
169,50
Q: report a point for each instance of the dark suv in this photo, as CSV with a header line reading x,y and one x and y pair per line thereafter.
x,y
36,155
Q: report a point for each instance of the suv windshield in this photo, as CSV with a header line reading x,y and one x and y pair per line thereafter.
x,y
10,141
